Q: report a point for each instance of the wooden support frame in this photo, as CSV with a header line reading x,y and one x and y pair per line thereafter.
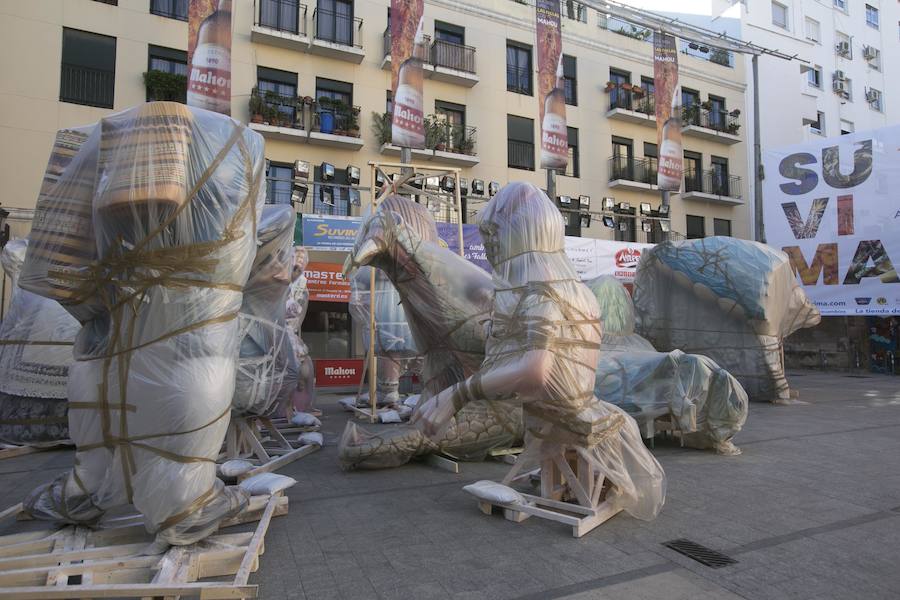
x,y
108,562
261,440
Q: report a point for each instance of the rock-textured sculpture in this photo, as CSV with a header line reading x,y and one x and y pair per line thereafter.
x,y
731,300
707,405
446,299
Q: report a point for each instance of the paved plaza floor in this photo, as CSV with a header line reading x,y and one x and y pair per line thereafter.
x,y
811,509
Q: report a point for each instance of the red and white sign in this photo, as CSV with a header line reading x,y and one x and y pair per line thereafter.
x,y
326,283
338,372
593,258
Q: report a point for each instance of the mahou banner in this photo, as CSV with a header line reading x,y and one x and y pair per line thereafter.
x,y
551,87
209,55
668,111
833,206
407,54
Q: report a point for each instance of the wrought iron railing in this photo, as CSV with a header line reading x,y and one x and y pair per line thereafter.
x,y
520,155
719,120
448,137
282,15
642,101
344,119
642,170
280,111
616,25
712,182
518,79
719,56
338,28
386,37
453,56
574,10
83,85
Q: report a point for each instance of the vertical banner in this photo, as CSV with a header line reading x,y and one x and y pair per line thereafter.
x,y
551,87
668,111
209,55
407,55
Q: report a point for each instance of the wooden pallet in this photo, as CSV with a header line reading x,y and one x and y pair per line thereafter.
x,y
261,440
78,562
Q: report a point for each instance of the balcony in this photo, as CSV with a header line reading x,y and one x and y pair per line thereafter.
x,y
616,25
445,143
337,36
83,85
336,125
301,120
712,186
718,56
446,61
635,174
280,23
631,105
518,79
520,155
711,125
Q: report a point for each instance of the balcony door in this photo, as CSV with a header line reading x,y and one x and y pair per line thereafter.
x,y
619,97
335,21
282,15
717,113
452,117
623,159
719,176
693,172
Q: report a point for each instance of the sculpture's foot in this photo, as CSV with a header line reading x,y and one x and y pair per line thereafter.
x,y
727,448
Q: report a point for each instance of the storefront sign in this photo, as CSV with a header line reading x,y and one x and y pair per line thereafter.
x,y
326,283
338,372
329,233
832,206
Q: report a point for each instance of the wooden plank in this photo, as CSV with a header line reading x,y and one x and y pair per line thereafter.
x,y
23,576
572,479
12,511
249,437
38,560
253,549
566,506
277,463
604,513
273,431
444,463
14,451
505,451
205,591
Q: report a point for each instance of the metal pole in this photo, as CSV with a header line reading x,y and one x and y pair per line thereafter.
x,y
551,185
373,366
406,158
760,232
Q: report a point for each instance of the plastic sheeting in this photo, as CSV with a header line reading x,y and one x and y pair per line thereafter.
x,y
173,196
303,396
731,300
267,368
707,405
541,354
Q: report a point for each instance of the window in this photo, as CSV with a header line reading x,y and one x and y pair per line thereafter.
x,y
173,9
814,77
569,79
279,182
651,156
113,2
576,11
572,169
873,57
842,45
718,114
283,15
519,142
719,180
619,97
334,21
816,126
622,162
283,84
779,15
167,60
847,127
722,227
339,93
647,103
88,69
813,30
875,99
389,102
453,119
696,227
690,107
871,16
841,4
518,68
452,34
693,171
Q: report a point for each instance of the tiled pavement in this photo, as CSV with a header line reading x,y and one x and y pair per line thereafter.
x,y
811,509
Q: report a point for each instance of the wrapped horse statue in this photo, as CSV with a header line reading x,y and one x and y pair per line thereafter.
x,y
148,239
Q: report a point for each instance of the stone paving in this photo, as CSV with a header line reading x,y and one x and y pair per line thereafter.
x,y
811,509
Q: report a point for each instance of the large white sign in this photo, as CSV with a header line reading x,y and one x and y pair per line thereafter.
x,y
593,258
833,206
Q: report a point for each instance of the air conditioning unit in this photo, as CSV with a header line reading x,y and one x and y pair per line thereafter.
x,y
870,53
840,88
871,96
843,48
839,76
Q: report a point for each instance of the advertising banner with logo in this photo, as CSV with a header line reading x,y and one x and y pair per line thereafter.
x,y
329,233
326,283
338,372
408,52
833,206
593,258
551,86
668,111
209,55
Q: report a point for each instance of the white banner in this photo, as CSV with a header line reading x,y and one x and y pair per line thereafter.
x,y
833,206
593,258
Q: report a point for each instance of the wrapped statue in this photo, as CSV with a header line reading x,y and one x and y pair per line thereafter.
x,y
303,396
705,403
148,239
731,300
445,299
36,338
541,354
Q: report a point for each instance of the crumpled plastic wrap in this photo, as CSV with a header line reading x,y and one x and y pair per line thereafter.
x,y
303,395
541,353
267,368
149,236
707,405
36,338
731,300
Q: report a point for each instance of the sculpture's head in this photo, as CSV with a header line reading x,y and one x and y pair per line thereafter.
x,y
520,219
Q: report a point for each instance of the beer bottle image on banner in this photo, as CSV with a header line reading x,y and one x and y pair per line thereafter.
x,y
407,129
210,82
670,151
554,135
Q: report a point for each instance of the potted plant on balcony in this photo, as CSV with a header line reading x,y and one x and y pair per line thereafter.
x,y
165,86
341,117
257,108
706,105
353,122
463,141
735,113
733,128
610,86
690,114
381,127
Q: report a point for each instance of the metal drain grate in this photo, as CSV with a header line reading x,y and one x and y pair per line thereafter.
x,y
700,553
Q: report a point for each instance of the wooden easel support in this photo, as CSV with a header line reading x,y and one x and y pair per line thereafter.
x,y
259,440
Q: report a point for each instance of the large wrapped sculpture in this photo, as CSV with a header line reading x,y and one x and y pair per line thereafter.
x,y
148,237
36,338
267,368
303,397
705,403
445,299
541,354
731,300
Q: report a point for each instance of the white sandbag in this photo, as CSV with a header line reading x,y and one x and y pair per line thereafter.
x,y
389,416
231,469
311,438
412,400
491,491
266,484
405,412
302,419
348,403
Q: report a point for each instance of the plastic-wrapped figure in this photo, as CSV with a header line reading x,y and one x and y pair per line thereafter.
x,y
707,404
731,300
36,338
303,397
542,352
445,298
149,237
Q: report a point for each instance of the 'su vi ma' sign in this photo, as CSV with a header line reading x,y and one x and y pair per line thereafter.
x,y
329,233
